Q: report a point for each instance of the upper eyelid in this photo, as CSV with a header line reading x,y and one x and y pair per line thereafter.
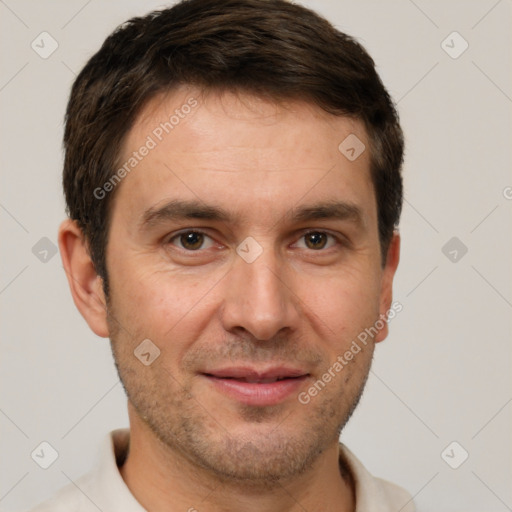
x,y
339,238
184,231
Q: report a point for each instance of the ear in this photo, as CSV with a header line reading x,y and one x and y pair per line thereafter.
x,y
85,284
386,291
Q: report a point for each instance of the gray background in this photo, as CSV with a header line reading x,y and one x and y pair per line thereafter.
x,y
443,375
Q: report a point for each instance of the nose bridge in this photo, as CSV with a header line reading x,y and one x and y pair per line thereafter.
x,y
258,298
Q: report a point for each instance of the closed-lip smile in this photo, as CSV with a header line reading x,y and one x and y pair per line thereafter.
x,y
258,387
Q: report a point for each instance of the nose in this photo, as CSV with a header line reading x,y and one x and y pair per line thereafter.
x,y
259,298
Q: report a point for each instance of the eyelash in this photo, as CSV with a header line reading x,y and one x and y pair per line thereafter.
x,y
339,241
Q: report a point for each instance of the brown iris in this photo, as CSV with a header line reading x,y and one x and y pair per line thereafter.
x,y
192,240
316,240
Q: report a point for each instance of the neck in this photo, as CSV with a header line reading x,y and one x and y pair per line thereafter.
x,y
161,478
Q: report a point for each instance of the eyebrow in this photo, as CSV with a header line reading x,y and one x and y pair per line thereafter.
x,y
338,210
176,210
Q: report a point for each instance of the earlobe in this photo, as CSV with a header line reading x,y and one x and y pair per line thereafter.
x,y
386,293
85,284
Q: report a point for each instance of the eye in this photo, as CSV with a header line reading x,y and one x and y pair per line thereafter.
x,y
192,240
318,240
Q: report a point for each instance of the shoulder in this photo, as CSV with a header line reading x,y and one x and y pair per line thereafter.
x,y
102,488
71,497
374,494
394,496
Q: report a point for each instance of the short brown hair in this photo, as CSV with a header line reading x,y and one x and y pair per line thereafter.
x,y
271,48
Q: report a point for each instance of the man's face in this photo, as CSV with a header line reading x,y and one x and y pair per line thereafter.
x,y
226,252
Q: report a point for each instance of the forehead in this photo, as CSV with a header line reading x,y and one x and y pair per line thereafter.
x,y
244,150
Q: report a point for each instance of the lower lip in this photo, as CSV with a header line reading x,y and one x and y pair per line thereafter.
x,y
263,394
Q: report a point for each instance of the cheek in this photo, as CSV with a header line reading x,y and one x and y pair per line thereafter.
x,y
342,304
170,308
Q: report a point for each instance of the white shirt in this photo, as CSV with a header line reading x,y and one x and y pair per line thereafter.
x,y
104,487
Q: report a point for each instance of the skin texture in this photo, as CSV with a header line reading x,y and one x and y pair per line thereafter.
x,y
299,304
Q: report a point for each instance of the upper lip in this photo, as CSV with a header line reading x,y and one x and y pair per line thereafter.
x,y
256,375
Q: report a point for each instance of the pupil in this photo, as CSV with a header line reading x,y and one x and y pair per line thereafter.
x,y
316,240
192,240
